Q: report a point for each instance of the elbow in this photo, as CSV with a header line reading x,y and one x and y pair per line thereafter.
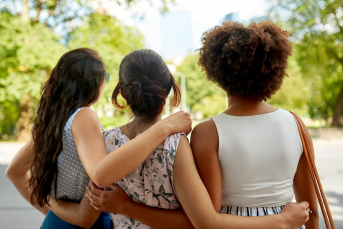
x,y
204,223
314,217
98,180
86,222
9,173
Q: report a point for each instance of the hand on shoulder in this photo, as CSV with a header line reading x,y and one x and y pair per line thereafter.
x,y
177,123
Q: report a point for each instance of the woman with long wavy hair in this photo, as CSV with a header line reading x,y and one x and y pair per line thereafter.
x,y
168,178
67,147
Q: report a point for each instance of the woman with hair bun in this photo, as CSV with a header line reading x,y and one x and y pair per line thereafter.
x,y
67,148
168,179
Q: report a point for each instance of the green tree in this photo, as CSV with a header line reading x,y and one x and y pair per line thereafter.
x,y
293,94
27,53
211,105
197,86
29,49
113,40
317,31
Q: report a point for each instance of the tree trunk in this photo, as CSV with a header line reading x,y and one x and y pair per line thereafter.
x,y
338,114
24,121
39,9
25,11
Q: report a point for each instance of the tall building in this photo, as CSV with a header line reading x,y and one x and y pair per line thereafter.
x,y
230,17
176,34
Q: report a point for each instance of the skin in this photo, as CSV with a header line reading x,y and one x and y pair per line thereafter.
x,y
205,142
196,203
196,200
103,169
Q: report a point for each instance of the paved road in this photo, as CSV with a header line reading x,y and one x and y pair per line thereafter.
x,y
16,213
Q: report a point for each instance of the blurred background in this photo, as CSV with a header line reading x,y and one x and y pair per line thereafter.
x,y
35,33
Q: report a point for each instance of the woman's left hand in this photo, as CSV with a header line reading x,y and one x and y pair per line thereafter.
x,y
114,200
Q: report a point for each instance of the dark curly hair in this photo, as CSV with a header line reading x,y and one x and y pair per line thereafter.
x,y
75,82
247,61
145,82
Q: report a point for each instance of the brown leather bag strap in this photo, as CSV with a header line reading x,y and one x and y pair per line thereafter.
x,y
314,173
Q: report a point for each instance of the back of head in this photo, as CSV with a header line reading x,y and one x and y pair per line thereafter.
x,y
75,82
145,82
247,61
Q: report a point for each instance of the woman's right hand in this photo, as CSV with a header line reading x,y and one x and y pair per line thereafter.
x,y
178,122
295,214
113,200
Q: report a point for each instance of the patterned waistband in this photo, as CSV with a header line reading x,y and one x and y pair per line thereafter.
x,y
252,211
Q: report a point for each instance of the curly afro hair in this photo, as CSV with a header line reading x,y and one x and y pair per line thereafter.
x,y
247,61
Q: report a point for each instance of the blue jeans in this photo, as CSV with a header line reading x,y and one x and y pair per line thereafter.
x,y
52,221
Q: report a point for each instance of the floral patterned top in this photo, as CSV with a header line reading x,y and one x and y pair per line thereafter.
x,y
152,182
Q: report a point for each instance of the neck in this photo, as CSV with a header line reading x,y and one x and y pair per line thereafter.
x,y
139,124
236,101
147,122
240,106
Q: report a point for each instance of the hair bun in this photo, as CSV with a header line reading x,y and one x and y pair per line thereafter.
x,y
149,100
134,87
145,82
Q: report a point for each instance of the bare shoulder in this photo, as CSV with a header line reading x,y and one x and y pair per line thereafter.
x,y
205,137
86,119
183,143
204,128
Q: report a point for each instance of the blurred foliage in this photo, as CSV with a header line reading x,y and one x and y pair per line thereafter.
x,y
293,94
316,28
197,86
113,40
111,122
211,105
63,16
27,54
208,98
29,50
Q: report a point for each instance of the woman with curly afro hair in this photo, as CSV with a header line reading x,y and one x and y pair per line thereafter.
x,y
250,157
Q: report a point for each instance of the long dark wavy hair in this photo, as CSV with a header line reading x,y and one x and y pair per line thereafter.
x,y
145,82
75,82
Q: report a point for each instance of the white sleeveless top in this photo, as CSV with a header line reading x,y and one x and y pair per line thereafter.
x,y
259,156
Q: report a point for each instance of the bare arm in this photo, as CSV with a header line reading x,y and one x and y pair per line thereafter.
x,y
304,189
89,141
118,202
204,144
105,169
199,208
108,168
79,214
18,172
